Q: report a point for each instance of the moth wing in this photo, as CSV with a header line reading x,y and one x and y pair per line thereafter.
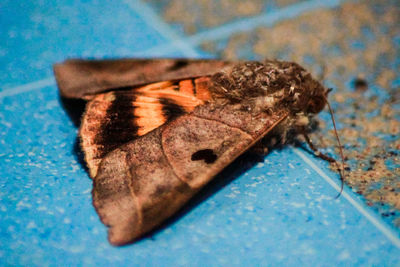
x,y
114,118
143,182
78,78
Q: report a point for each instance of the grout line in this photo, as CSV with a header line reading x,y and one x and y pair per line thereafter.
x,y
27,87
381,226
151,18
187,43
247,24
244,25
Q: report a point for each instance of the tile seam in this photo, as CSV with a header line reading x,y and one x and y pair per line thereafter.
x,y
164,29
193,40
380,225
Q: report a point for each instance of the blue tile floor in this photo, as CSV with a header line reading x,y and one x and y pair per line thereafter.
x,y
280,211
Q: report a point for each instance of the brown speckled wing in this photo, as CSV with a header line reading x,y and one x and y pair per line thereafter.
x,y
143,182
77,78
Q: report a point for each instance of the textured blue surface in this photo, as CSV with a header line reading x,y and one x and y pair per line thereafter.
x,y
38,33
281,211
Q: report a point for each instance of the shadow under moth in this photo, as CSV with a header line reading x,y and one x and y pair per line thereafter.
x,y
155,131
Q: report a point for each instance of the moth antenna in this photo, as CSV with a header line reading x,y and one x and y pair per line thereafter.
x,y
322,74
341,172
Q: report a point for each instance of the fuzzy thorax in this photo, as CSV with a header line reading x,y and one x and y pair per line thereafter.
x,y
272,86
282,84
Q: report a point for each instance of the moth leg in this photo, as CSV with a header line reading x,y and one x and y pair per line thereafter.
x,y
327,158
260,148
283,136
315,150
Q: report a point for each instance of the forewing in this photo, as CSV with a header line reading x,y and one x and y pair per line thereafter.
x,y
142,183
114,118
78,78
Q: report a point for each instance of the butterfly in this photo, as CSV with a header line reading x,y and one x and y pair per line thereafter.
x,y
155,131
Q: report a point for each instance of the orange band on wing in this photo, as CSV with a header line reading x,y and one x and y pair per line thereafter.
x,y
154,86
202,88
186,87
148,114
120,116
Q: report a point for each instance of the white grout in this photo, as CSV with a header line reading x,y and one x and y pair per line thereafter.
x,y
268,19
186,43
381,226
245,25
152,19
27,87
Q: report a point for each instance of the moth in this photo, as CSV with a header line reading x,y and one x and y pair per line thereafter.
x,y
155,131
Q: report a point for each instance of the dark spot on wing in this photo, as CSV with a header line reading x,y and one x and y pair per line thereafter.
x,y
178,65
360,84
194,87
170,109
205,154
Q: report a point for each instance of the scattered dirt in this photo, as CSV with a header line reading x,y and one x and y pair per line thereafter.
x,y
355,51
